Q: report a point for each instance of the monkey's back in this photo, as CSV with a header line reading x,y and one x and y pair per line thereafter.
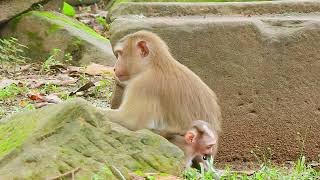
x,y
184,97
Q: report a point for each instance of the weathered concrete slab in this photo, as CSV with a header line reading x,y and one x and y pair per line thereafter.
x,y
265,71
154,9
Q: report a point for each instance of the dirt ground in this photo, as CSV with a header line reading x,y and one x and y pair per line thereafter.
x,y
29,88
34,85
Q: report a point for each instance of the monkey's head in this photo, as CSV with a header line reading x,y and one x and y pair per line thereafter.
x,y
135,53
202,139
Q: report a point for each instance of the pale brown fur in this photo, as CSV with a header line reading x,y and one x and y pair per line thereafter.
x,y
162,93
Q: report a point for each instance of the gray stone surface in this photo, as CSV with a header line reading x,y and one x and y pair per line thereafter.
x,y
47,142
53,5
264,69
154,9
81,2
43,31
12,8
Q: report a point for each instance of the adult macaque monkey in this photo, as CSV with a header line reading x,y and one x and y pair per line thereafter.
x,y
198,143
160,92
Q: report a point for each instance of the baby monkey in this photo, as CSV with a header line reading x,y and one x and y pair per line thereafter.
x,y
198,143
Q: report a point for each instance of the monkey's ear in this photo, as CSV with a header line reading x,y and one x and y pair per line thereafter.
x,y
189,137
144,50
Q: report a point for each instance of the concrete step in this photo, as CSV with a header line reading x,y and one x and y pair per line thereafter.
x,y
265,70
156,9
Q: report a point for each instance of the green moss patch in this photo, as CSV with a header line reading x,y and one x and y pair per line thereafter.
x,y
54,27
14,22
58,138
35,46
15,132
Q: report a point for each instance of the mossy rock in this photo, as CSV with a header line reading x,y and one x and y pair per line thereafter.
x,y
12,8
42,31
47,142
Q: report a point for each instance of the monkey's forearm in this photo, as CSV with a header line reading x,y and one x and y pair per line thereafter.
x,y
115,116
112,114
122,118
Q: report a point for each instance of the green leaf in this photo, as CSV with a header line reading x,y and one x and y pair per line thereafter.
x,y
139,173
68,10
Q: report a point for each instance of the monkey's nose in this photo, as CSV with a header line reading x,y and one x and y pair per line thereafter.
x,y
114,69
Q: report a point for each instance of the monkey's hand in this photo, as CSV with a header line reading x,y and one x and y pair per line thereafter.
x,y
112,115
120,117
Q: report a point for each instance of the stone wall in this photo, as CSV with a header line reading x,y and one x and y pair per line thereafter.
x,y
265,70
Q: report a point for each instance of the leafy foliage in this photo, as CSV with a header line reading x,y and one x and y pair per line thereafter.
x,y
194,174
300,170
11,91
102,21
68,10
104,84
50,88
52,60
11,51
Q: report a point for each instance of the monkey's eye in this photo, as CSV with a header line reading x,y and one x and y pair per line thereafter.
x,y
209,147
205,157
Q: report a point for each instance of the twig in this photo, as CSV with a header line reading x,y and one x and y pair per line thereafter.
x,y
117,173
68,173
83,88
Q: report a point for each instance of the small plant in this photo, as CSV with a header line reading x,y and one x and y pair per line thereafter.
x,y
191,174
103,173
83,79
147,177
102,21
11,51
263,155
302,137
68,58
11,91
150,177
65,95
29,107
96,177
2,112
50,61
50,88
103,85
194,174
299,171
